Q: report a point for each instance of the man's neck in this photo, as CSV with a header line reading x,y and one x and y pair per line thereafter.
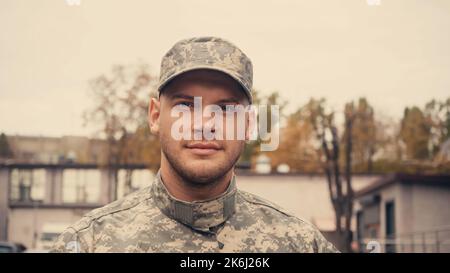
x,y
186,191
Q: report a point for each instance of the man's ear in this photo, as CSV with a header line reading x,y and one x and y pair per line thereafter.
x,y
154,111
250,123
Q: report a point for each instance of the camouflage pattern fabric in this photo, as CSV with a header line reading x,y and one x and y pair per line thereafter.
x,y
207,53
151,220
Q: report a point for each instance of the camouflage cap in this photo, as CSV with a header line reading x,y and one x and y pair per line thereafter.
x,y
207,53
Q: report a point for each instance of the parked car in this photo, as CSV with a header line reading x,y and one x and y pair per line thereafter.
x,y
9,247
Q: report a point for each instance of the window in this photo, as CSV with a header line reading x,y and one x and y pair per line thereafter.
x,y
390,225
81,186
139,179
27,185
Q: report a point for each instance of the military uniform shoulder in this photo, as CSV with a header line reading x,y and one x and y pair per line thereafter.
x,y
124,204
304,235
258,201
79,236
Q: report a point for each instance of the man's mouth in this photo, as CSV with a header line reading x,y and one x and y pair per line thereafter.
x,y
203,148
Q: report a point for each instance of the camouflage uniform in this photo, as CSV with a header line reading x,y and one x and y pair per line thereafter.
x,y
151,220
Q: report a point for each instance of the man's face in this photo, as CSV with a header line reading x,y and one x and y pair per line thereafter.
x,y
198,161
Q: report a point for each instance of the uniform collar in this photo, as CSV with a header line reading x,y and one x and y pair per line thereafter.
x,y
196,214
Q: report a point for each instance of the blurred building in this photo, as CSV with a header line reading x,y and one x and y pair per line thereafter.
x,y
405,213
52,150
47,183
303,195
52,182
38,200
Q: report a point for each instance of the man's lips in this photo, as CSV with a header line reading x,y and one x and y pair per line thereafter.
x,y
203,148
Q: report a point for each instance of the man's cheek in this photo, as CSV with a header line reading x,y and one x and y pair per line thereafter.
x,y
165,126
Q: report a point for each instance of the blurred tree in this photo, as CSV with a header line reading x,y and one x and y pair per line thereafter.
x,y
251,149
120,112
339,185
296,147
388,151
142,147
415,133
364,137
437,114
5,149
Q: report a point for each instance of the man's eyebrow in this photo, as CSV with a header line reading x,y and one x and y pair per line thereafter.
x,y
187,97
181,96
235,100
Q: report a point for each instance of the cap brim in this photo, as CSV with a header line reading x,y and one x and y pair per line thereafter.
x,y
248,93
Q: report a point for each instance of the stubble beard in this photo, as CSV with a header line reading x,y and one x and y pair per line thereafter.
x,y
190,175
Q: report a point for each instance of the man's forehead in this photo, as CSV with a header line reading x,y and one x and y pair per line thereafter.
x,y
203,87
206,74
204,77
214,95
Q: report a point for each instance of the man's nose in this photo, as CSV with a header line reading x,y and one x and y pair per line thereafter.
x,y
202,122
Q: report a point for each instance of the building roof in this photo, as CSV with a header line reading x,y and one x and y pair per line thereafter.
x,y
425,179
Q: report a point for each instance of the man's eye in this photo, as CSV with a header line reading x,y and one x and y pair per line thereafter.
x,y
186,103
227,107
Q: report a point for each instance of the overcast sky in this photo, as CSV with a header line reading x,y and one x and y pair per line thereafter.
x,y
396,54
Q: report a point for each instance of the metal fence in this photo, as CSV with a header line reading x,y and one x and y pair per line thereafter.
x,y
428,241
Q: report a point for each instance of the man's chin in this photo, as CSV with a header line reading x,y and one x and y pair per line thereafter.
x,y
201,168
202,172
